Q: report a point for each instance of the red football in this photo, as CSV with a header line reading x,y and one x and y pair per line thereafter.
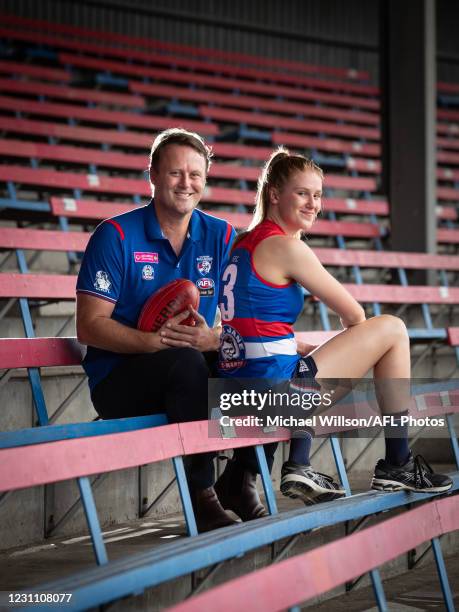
x,y
172,299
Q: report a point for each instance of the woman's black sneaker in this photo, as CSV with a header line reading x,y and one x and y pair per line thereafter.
x,y
414,475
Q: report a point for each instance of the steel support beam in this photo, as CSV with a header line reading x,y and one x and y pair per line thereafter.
x,y
408,87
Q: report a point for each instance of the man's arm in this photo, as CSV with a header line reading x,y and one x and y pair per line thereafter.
x,y
95,327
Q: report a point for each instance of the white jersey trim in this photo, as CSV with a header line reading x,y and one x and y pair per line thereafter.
x,y
256,350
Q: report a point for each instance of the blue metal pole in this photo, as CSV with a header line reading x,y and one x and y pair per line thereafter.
x,y
266,479
453,436
92,519
378,590
443,576
185,496
340,464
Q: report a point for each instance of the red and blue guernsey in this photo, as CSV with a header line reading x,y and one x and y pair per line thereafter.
x,y
128,258
258,316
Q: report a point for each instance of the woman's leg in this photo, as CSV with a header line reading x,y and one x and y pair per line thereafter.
x,y
382,344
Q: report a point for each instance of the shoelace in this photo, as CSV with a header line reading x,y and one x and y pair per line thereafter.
x,y
326,479
421,469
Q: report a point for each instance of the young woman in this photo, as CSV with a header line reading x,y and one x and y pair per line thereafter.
x,y
261,299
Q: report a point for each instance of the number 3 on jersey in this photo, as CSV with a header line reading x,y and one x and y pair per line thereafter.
x,y
228,282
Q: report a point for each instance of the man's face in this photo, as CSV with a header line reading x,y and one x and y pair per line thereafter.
x,y
179,180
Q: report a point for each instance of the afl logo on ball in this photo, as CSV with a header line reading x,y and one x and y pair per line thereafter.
x,y
206,287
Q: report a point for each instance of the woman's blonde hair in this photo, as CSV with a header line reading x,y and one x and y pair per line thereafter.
x,y
276,172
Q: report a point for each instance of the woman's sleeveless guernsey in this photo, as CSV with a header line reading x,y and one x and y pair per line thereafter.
x,y
257,316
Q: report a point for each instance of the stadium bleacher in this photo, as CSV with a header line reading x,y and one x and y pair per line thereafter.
x,y
76,122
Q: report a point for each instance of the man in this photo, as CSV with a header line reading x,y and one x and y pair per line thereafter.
x,y
129,257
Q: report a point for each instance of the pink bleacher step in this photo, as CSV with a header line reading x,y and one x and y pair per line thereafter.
x,y
49,240
448,174
447,157
448,87
448,143
53,109
386,259
332,145
396,294
252,102
453,336
40,352
56,240
448,113
48,352
188,50
189,64
371,166
87,209
448,193
217,82
115,159
132,139
71,93
72,180
124,161
138,140
106,184
447,212
448,128
446,235
38,286
37,72
66,459
300,125
308,575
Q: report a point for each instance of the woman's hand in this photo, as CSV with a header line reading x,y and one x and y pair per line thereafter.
x,y
303,348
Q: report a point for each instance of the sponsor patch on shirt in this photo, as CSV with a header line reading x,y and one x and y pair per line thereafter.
x,y
206,287
143,257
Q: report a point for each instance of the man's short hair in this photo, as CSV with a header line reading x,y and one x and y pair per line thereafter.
x,y
178,136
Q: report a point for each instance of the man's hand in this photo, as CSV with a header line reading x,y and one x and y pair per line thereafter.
x,y
200,337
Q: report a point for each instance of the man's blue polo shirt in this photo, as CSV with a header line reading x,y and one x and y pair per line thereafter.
x,y
128,258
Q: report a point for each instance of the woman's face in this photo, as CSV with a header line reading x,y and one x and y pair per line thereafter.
x,y
298,203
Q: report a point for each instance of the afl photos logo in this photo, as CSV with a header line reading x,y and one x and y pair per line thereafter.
x,y
232,350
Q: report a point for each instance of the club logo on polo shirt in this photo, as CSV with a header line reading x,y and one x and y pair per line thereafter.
x,y
102,282
148,272
204,264
206,287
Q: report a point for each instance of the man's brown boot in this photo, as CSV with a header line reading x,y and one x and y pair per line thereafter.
x,y
208,511
237,491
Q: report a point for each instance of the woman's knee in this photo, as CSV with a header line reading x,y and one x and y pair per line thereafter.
x,y
392,326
